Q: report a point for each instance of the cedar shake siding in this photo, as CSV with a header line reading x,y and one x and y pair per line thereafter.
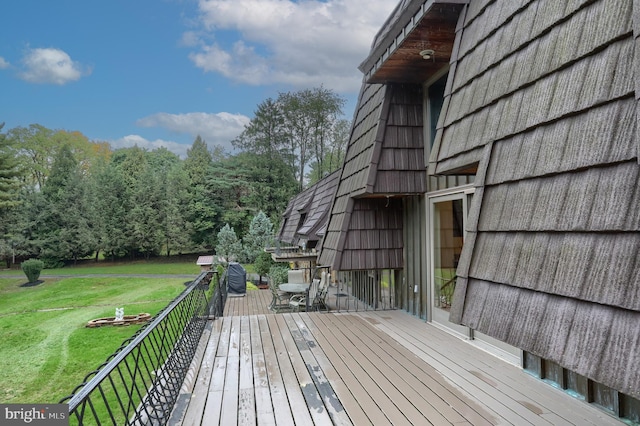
x,y
307,213
542,98
294,216
312,229
384,162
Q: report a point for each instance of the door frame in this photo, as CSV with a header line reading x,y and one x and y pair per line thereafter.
x,y
458,193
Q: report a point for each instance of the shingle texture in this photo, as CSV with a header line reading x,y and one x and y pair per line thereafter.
x,y
307,213
544,96
292,218
312,228
384,159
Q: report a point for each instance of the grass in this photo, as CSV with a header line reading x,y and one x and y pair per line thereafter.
x,y
46,350
142,268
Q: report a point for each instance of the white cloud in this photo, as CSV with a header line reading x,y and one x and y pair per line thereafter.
x,y
52,66
281,41
3,63
137,140
215,129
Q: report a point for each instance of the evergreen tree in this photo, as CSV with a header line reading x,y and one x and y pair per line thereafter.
x,y
177,229
198,162
145,216
260,235
265,135
64,227
9,173
229,246
111,203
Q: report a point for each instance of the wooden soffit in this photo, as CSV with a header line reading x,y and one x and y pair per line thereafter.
x,y
416,26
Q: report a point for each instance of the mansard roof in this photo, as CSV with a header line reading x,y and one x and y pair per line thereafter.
x,y
307,212
542,98
385,155
293,216
384,159
319,208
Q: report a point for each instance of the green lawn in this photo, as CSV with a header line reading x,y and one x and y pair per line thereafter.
x,y
141,267
44,347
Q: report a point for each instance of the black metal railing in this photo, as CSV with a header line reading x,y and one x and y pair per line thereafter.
x,y
140,382
219,297
366,290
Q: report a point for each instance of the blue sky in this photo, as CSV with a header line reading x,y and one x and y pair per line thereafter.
x,y
159,72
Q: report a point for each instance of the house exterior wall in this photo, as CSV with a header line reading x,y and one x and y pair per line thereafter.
x,y
383,164
542,96
415,256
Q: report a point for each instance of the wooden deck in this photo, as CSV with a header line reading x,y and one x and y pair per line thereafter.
x,y
256,302
365,368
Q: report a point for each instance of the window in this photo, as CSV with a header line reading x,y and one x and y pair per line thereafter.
x,y
578,386
434,102
436,99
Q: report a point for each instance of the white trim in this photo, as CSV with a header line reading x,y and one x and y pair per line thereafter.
x,y
434,314
456,189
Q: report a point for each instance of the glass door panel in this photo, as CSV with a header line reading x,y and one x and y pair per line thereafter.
x,y
448,215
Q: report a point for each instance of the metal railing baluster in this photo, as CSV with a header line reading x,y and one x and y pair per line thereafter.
x,y
139,384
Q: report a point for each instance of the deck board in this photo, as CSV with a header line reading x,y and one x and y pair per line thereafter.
x,y
374,377
279,399
394,365
364,368
264,407
488,370
304,342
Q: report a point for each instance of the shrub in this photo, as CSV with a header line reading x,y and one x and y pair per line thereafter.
x,y
52,263
32,269
263,263
278,275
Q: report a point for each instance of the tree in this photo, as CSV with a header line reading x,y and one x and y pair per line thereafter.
x,y
198,162
260,235
271,184
297,129
177,229
64,227
265,134
227,191
229,246
334,154
146,214
37,147
309,115
111,203
9,173
263,264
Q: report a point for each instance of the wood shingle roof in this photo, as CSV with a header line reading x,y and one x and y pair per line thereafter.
x,y
384,159
294,215
543,95
307,213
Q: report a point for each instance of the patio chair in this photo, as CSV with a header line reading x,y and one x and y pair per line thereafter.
x,y
316,289
295,276
279,299
321,298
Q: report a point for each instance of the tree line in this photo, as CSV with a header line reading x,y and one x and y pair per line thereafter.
x,y
65,198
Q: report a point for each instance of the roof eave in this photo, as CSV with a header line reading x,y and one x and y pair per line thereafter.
x,y
397,36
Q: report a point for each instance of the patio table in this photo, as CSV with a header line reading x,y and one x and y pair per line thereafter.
x,y
294,287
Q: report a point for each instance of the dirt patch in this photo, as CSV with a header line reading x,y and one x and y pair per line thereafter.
x,y
33,284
